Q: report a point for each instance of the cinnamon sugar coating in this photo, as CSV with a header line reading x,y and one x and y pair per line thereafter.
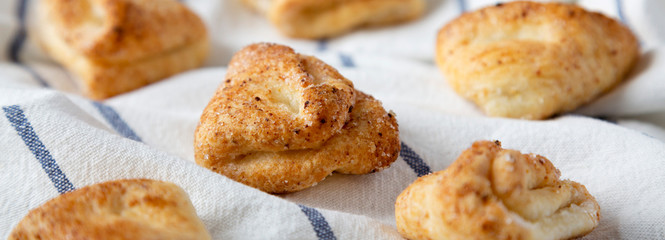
x,y
282,122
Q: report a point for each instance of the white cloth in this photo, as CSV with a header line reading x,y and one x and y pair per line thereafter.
x,y
52,140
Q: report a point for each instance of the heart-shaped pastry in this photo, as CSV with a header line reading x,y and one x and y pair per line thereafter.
x,y
329,18
281,122
115,46
533,60
495,193
122,209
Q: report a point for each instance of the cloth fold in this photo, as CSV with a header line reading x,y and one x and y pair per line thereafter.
x,y
52,140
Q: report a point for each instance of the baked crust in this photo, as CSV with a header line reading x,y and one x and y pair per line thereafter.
x,y
321,19
533,60
121,209
115,46
282,122
495,193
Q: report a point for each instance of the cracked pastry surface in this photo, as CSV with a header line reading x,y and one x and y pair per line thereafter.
x,y
533,60
115,46
329,18
282,122
121,209
495,193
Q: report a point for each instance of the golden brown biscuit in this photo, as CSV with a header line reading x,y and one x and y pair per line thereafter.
x,y
329,18
495,193
282,122
532,60
115,46
122,209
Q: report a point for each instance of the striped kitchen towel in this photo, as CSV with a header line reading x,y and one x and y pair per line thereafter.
x,y
53,141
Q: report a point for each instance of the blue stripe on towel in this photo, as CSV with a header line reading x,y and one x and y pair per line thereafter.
x,y
113,118
321,227
347,61
415,162
35,75
322,45
16,44
19,38
607,119
462,5
24,129
622,17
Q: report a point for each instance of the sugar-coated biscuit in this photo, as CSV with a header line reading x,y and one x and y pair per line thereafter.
x,y
495,193
533,60
121,209
282,122
329,18
115,46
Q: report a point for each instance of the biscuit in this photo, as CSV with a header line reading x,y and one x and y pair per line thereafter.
x,y
121,209
495,193
282,122
329,18
533,60
115,46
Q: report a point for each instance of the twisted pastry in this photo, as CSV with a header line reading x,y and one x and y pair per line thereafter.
x,y
122,209
115,46
495,193
533,60
329,18
282,122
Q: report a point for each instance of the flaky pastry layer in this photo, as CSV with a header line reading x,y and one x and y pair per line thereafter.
x,y
282,122
121,209
533,60
495,193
